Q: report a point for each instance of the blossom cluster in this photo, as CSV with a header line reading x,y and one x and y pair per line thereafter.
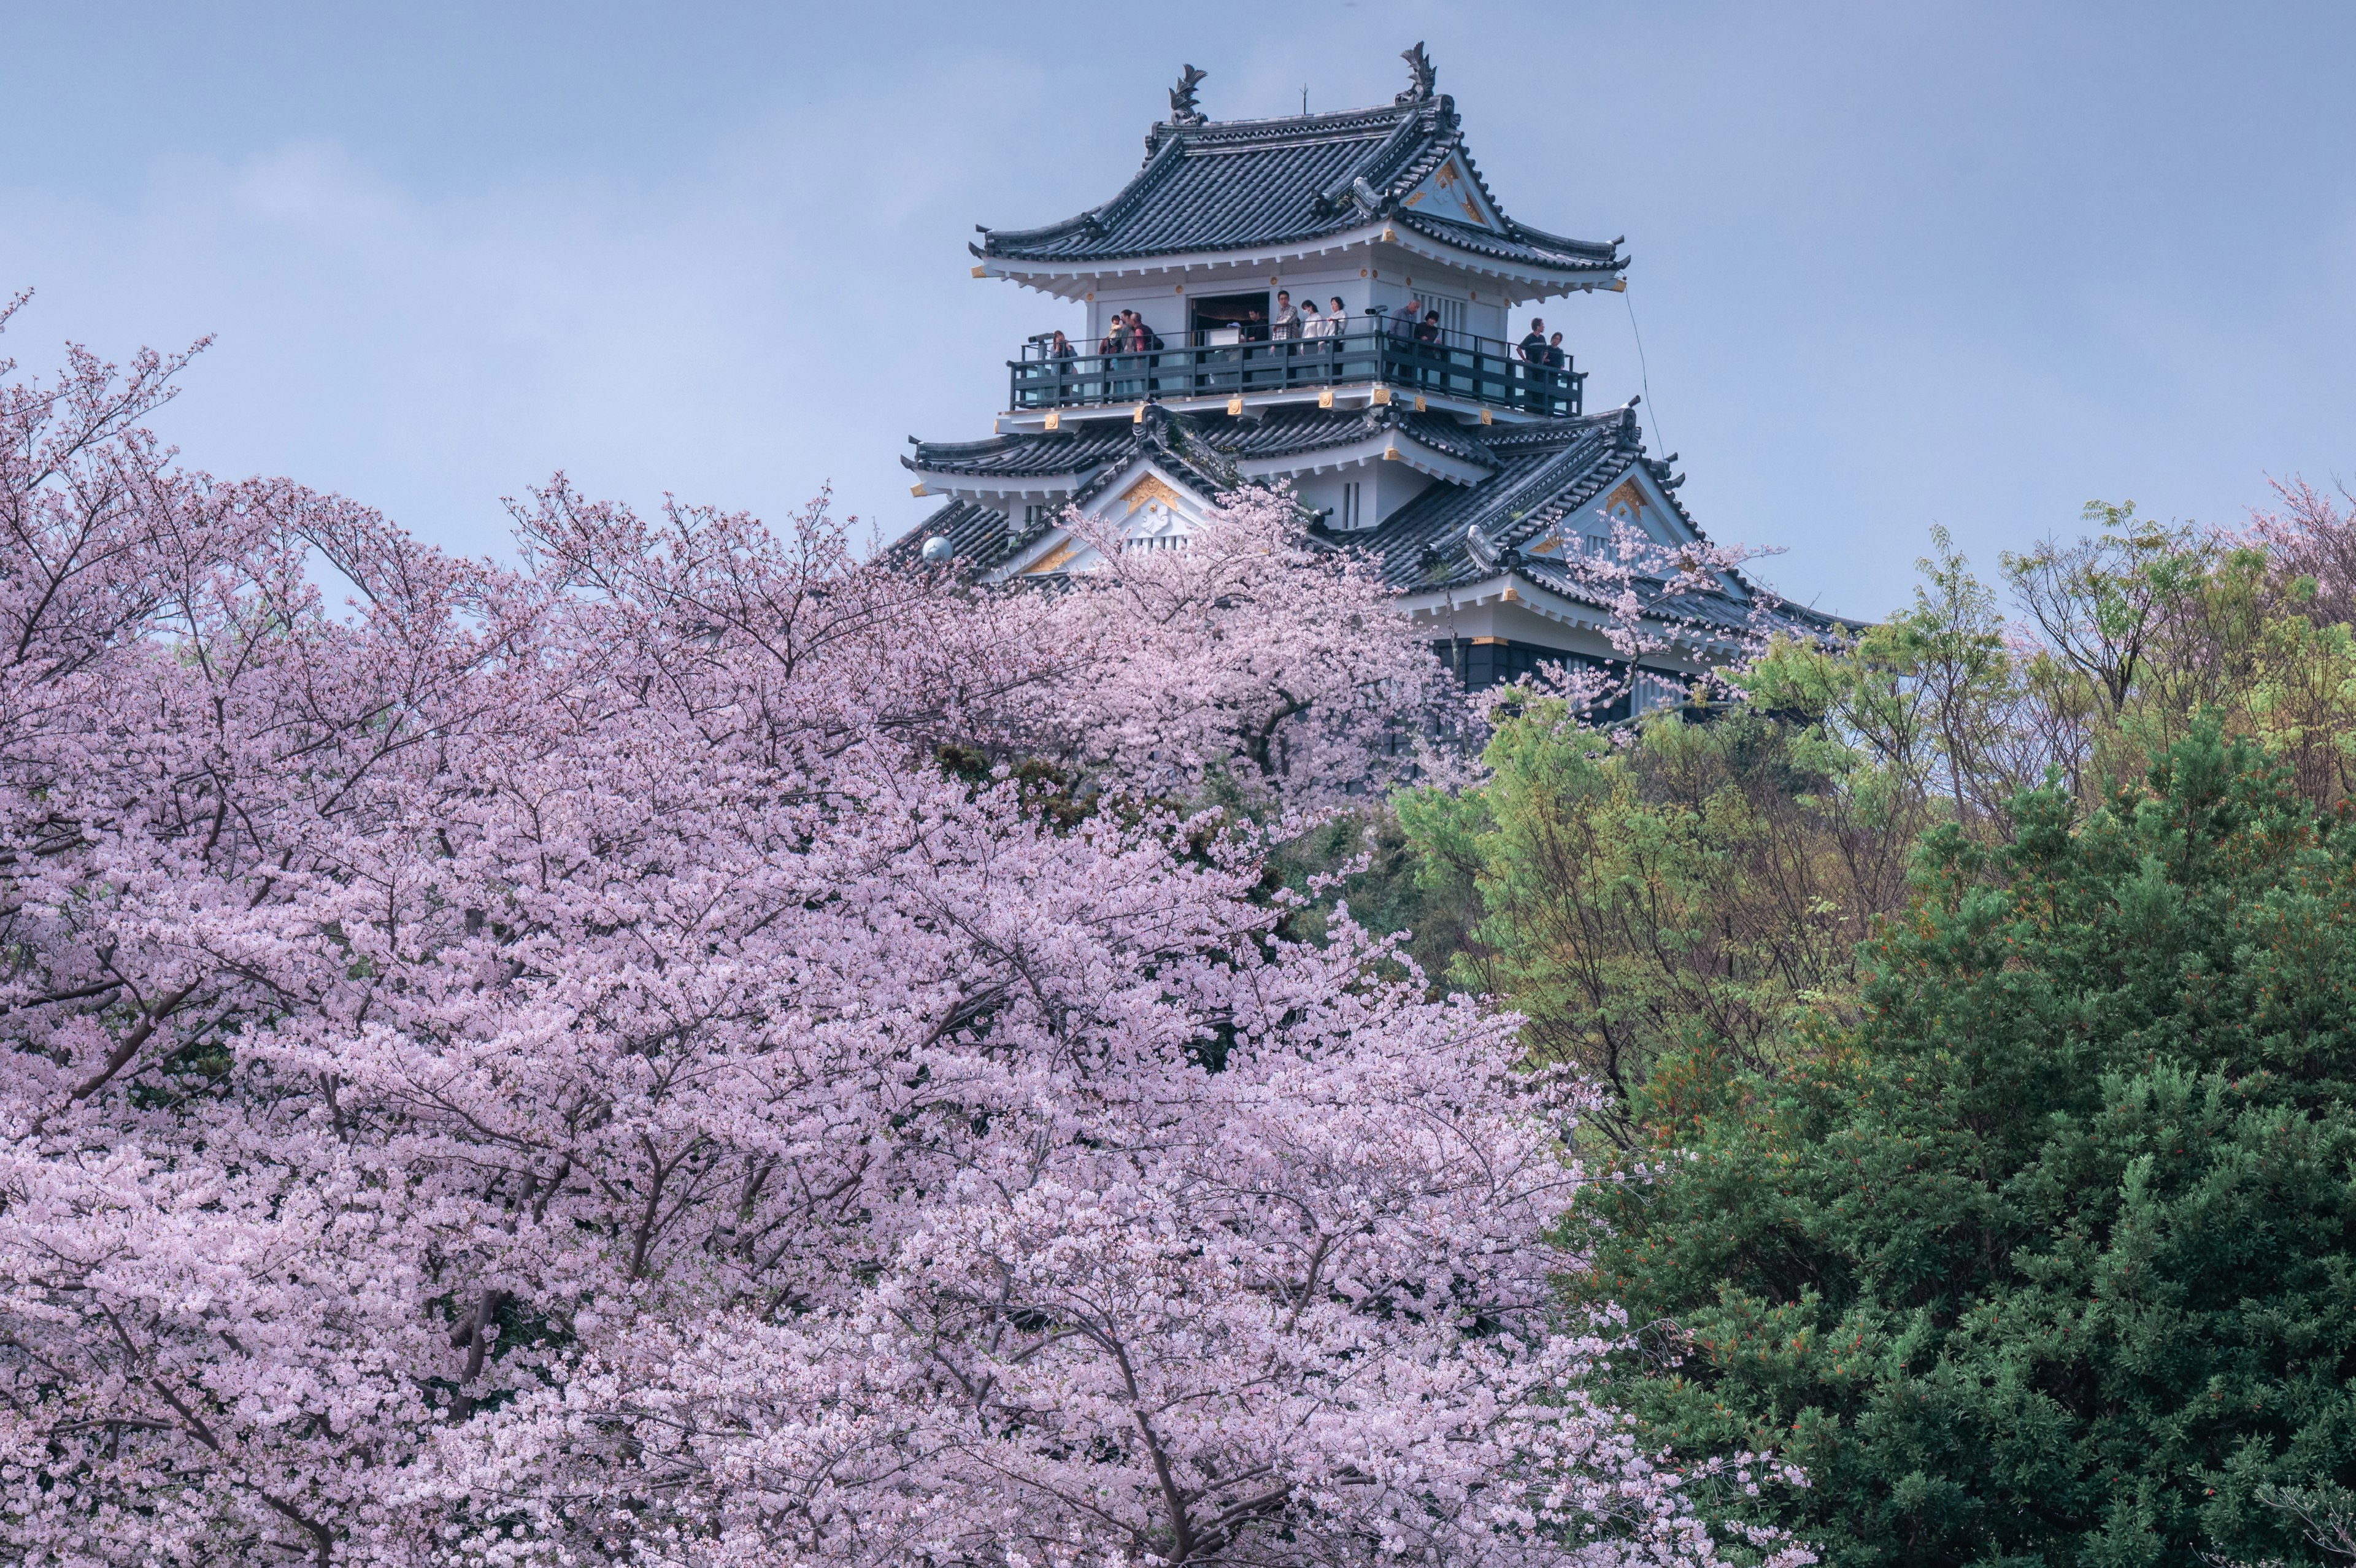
x,y
549,1065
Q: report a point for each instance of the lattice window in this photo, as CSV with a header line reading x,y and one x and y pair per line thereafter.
x,y
1451,312
1656,689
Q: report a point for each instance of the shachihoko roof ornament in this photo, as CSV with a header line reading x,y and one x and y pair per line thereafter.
x,y
1182,108
1209,187
1423,74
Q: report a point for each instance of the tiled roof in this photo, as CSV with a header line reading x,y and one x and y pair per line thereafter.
x,y
1283,432
1239,184
1028,455
980,538
977,536
1527,246
1290,433
1542,472
1551,470
1179,447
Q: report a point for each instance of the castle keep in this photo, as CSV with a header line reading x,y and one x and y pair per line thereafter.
x,y
1462,465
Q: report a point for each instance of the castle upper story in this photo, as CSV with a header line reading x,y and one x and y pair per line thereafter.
x,y
1301,259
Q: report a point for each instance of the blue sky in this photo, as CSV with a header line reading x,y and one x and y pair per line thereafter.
x,y
1894,265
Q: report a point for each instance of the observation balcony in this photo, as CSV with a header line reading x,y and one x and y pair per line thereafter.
x,y
1224,363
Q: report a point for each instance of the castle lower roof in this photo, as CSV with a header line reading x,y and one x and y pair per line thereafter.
x,y
1541,474
1083,448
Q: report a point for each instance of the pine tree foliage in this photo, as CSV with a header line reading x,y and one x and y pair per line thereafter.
x,y
2052,1255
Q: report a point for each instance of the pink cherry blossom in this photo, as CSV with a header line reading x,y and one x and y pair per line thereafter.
x,y
543,1065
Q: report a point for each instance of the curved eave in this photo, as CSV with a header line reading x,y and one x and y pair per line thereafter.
x,y
1523,231
1519,588
1574,270
1070,276
1157,167
980,486
1418,455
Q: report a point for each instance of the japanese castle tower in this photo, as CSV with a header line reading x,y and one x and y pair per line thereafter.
x,y
1460,469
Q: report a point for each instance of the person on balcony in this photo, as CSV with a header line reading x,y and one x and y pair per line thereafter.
x,y
1285,325
1122,345
1313,326
1427,337
1061,349
1533,350
1337,320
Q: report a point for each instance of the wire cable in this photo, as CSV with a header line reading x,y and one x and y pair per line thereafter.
x,y
1644,371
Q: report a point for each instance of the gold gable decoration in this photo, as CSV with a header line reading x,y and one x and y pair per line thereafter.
x,y
1147,492
1052,560
1627,496
1453,184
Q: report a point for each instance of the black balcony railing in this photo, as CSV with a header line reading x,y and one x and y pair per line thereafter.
x,y
1213,364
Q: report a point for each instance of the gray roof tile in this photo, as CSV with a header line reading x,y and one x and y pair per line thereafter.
x,y
977,536
1544,471
1283,432
1028,455
1237,184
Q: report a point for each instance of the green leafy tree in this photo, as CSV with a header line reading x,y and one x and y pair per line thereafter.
x,y
1706,884
2051,1256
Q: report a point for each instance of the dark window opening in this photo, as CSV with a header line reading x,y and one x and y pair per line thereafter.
x,y
1484,662
1246,314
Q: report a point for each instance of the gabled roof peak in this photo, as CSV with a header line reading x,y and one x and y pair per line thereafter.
x,y
1204,134
1186,112
1210,186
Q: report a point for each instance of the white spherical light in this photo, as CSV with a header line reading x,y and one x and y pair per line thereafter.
x,y
937,551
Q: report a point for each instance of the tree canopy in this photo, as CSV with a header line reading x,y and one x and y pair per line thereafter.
x,y
1973,1000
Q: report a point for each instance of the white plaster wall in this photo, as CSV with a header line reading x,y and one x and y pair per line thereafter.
x,y
1389,486
1383,488
1164,308
1162,303
1518,624
1371,274
1322,284
1322,492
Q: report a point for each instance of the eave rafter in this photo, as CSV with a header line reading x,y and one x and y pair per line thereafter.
x,y
1680,639
1378,244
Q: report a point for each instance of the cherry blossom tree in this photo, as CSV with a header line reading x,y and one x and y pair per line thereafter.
x,y
543,1064
2313,536
1653,595
1256,653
